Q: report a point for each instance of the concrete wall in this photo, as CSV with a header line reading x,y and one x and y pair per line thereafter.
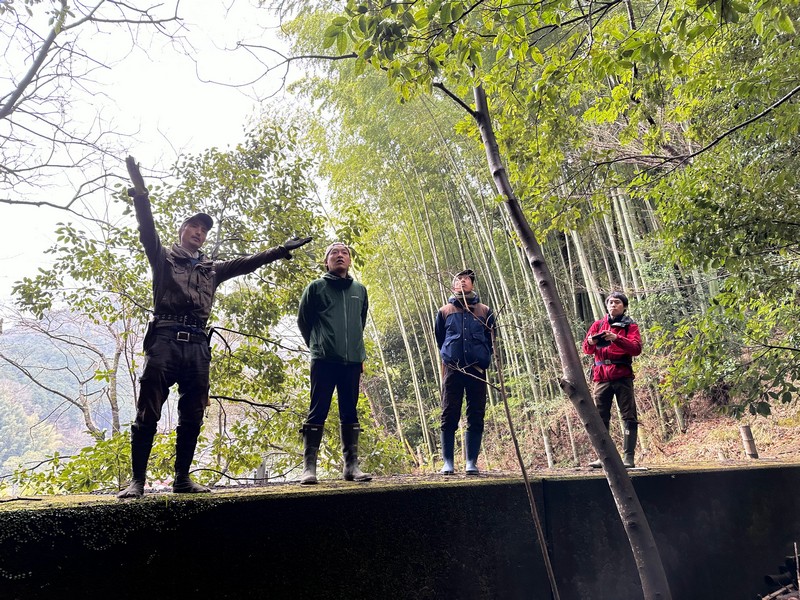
x,y
719,533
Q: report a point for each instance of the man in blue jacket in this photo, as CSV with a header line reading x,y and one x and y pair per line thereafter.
x,y
331,318
464,333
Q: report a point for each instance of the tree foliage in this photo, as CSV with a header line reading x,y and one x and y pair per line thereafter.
x,y
690,109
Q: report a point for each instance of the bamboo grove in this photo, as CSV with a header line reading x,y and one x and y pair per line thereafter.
x,y
637,135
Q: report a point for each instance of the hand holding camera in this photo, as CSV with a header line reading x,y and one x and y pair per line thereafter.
x,y
601,340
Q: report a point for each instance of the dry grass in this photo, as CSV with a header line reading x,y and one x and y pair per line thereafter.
x,y
710,436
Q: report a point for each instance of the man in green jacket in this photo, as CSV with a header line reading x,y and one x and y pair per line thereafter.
x,y
331,318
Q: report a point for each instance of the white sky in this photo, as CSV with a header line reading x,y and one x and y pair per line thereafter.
x,y
159,95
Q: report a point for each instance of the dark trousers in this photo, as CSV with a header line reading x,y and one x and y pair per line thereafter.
x,y
169,361
604,393
456,384
327,376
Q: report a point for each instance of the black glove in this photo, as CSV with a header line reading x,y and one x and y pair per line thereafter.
x,y
293,243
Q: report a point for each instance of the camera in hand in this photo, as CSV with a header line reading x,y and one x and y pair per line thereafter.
x,y
600,340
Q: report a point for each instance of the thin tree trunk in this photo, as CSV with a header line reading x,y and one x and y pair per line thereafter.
x,y
612,240
423,420
659,405
645,551
389,387
592,289
629,252
575,458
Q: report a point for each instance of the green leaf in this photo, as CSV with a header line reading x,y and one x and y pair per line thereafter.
x,y
433,9
330,35
785,24
758,23
341,43
445,14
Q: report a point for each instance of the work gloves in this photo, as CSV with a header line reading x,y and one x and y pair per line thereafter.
x,y
293,243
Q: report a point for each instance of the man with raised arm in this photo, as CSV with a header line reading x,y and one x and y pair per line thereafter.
x,y
176,344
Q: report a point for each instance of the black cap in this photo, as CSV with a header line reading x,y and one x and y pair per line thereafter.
x,y
203,218
466,273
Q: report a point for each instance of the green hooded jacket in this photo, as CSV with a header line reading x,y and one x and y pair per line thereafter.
x,y
331,318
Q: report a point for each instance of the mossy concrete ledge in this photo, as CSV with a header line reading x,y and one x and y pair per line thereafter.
x,y
343,541
718,531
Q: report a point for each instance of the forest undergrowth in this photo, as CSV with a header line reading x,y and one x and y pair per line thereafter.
x,y
709,437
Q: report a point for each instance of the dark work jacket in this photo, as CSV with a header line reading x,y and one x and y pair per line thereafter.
x,y
620,352
181,287
464,335
331,317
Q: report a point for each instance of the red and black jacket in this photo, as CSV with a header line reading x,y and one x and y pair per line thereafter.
x,y
614,361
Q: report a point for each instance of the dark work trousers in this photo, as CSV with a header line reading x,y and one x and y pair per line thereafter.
x,y
327,376
604,392
455,385
169,361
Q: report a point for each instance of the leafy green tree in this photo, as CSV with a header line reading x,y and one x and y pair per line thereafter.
x,y
747,340
24,438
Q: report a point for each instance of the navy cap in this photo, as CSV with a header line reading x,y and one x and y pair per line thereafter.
x,y
203,218
466,273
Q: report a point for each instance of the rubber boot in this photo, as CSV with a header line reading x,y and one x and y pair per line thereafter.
x,y
351,471
185,443
597,464
629,444
141,444
448,450
312,438
473,444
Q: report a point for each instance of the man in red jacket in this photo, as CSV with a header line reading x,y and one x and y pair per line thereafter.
x,y
614,340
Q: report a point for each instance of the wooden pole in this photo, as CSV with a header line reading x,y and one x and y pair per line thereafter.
x,y
748,441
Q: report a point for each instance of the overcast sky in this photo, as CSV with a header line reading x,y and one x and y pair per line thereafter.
x,y
159,94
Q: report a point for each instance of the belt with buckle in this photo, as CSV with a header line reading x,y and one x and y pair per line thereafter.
x,y
600,363
188,336
182,336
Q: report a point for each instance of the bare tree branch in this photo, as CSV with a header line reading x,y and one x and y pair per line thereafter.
x,y
275,407
48,132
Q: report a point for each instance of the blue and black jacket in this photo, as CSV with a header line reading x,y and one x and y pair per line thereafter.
x,y
464,333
